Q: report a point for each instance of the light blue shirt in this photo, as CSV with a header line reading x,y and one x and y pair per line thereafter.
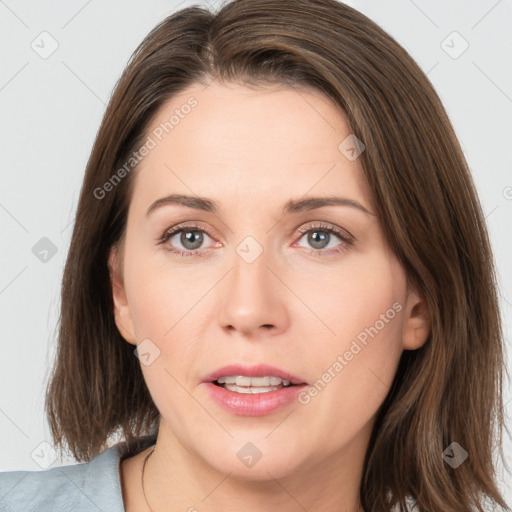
x,y
91,486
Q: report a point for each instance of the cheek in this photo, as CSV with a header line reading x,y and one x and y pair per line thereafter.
x,y
356,295
359,362
150,306
357,354
159,293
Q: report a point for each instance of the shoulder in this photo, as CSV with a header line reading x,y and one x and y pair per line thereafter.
x,y
93,485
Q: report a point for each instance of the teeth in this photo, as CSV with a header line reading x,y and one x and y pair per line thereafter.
x,y
242,380
226,380
251,389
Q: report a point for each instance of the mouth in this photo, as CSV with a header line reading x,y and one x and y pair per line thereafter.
x,y
256,390
245,384
253,380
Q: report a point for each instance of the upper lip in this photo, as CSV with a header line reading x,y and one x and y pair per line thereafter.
x,y
260,370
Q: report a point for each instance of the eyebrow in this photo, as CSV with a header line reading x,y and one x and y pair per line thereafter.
x,y
290,207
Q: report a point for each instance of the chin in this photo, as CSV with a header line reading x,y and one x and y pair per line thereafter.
x,y
247,462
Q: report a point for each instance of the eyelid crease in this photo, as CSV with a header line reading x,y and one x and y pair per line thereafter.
x,y
328,227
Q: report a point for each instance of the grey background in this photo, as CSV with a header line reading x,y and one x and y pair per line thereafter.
x,y
51,109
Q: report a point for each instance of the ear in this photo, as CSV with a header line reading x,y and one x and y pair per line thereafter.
x,y
122,313
417,324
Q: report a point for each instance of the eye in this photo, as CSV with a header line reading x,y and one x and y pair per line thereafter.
x,y
322,238
190,237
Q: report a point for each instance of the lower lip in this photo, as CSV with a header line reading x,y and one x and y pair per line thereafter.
x,y
257,404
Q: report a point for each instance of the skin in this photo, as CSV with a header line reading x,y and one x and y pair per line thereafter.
x,y
251,150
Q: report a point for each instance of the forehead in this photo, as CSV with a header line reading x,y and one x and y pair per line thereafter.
x,y
248,144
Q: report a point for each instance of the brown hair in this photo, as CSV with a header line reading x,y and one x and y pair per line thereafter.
x,y
448,390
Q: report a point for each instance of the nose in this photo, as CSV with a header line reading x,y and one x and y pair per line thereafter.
x,y
253,298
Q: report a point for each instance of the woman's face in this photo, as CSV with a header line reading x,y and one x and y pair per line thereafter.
x,y
261,280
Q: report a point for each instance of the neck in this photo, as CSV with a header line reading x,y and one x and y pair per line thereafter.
x,y
313,484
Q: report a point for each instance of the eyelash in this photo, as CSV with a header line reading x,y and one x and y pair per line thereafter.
x,y
346,239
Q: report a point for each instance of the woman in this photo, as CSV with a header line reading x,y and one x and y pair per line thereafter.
x,y
280,289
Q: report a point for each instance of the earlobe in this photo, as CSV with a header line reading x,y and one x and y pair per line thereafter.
x,y
417,324
121,308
